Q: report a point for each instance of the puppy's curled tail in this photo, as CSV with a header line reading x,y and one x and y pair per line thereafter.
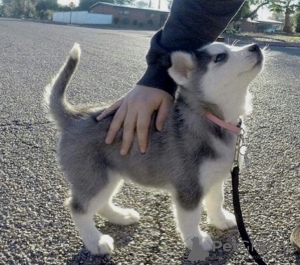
x,y
61,112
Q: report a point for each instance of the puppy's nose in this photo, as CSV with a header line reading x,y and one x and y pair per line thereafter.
x,y
254,48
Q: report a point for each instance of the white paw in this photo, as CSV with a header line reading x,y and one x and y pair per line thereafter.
x,y
122,216
223,221
205,241
129,216
105,245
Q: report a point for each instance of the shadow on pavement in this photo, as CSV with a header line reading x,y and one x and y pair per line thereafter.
x,y
297,259
122,236
217,257
84,257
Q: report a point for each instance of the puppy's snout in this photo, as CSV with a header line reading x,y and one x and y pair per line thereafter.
x,y
254,48
256,51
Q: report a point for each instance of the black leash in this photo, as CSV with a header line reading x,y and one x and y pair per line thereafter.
x,y
239,217
236,200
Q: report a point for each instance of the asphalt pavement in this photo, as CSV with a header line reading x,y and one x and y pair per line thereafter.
x,y
35,227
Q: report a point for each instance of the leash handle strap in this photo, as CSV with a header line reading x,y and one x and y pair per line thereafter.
x,y
239,218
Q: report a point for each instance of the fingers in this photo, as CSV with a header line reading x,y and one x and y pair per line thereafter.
x,y
130,120
116,124
142,129
128,131
162,114
134,112
110,109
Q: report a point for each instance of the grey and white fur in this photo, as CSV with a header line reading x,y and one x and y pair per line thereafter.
x,y
190,158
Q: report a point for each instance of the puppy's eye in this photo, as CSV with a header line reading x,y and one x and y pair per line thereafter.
x,y
220,57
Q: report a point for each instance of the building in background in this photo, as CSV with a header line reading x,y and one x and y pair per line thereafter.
x,y
249,26
82,18
266,25
131,16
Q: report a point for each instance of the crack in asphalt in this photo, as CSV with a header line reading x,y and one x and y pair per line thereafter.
x,y
26,125
20,123
27,143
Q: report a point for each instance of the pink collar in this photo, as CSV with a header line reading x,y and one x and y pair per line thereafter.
x,y
237,130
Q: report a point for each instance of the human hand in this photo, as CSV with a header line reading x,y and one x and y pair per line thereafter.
x,y
134,112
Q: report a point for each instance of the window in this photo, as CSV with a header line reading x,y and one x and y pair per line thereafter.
x,y
124,12
125,21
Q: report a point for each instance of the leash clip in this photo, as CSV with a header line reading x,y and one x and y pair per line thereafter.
x,y
237,151
238,146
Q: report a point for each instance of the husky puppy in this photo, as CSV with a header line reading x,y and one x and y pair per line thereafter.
x,y
190,158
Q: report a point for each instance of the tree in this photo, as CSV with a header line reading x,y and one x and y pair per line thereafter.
x,y
45,8
170,2
297,22
287,7
30,10
259,4
46,5
243,12
141,4
246,12
63,8
277,17
86,4
17,8
27,8
125,2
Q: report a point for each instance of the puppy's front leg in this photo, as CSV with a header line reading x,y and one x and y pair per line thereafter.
x,y
216,214
188,223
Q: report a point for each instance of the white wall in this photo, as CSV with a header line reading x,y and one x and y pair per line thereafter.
x,y
81,17
98,19
63,17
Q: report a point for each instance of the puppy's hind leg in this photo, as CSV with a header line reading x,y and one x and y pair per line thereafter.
x,y
187,211
83,211
118,215
216,214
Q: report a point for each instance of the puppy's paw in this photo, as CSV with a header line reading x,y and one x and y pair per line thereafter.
x,y
223,221
120,216
203,239
206,242
105,245
128,216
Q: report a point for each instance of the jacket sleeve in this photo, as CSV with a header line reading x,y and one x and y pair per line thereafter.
x,y
190,25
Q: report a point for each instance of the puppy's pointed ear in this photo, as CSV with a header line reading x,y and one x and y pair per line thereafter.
x,y
182,65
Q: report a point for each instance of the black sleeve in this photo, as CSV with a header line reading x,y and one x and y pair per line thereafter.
x,y
191,24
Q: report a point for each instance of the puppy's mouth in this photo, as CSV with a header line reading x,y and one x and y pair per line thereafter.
x,y
259,62
259,56
256,65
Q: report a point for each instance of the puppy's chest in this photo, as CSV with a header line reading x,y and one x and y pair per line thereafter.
x,y
225,151
214,169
